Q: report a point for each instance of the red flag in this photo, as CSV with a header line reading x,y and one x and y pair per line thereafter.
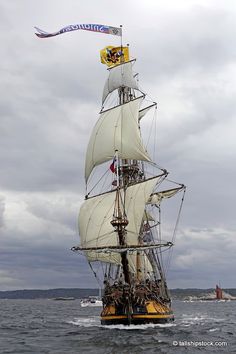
x,y
112,166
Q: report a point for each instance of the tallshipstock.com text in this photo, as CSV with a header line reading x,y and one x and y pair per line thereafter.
x,y
185,343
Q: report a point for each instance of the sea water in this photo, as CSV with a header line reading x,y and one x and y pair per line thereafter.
x,y
56,327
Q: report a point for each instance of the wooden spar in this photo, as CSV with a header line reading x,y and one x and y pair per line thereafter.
x,y
124,247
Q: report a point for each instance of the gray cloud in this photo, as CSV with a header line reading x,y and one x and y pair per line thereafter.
x,y
50,98
2,209
201,254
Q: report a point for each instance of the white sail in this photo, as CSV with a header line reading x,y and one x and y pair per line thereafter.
x,y
116,129
157,197
145,265
95,217
120,75
145,110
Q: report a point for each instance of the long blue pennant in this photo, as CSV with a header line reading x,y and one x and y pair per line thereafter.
x,y
116,31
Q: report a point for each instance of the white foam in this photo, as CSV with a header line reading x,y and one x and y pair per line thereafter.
x,y
95,321
186,320
213,329
85,321
144,326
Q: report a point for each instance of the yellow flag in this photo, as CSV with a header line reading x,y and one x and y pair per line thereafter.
x,y
112,56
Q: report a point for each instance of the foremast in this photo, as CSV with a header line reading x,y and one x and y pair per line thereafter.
x,y
130,172
127,172
124,174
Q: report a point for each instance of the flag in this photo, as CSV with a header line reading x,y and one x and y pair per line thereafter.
x,y
116,31
114,55
112,166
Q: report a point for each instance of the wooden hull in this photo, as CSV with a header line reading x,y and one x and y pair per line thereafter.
x,y
152,312
135,320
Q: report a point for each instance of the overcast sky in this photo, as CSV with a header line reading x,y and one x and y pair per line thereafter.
x,y
50,96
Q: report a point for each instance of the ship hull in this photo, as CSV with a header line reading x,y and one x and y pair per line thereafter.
x,y
152,312
135,320
96,304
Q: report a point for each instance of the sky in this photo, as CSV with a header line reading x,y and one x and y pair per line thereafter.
x,y
50,98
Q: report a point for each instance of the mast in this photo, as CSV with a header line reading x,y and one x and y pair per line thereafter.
x,y
119,222
129,172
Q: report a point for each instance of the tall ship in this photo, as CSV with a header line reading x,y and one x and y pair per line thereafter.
x,y
120,220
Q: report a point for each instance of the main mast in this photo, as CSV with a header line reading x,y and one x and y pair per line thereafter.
x,y
119,222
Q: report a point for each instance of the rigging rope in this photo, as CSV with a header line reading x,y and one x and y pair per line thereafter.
x,y
160,238
97,182
174,232
151,130
95,274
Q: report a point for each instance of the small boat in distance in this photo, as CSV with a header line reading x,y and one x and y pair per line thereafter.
x,y
91,301
64,298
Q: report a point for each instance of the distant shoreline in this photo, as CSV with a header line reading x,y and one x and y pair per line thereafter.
x,y
79,293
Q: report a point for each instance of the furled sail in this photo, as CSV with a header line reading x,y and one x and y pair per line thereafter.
x,y
95,217
120,75
157,197
116,129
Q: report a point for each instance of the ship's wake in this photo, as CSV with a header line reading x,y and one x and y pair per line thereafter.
x,y
197,320
94,321
186,320
86,321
